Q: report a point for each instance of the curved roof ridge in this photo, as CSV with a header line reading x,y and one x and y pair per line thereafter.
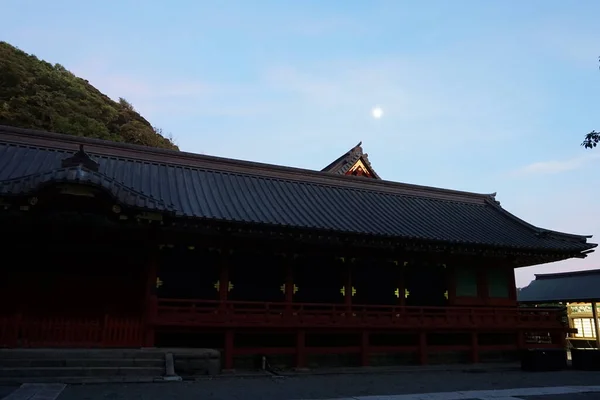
x,y
177,158
78,174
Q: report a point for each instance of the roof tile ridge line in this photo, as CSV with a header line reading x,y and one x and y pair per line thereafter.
x,y
270,171
274,172
73,139
182,156
358,184
536,229
307,176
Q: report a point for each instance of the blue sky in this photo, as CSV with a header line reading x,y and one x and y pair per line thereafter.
x,y
483,96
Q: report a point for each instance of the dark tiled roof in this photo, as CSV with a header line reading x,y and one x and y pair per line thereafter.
x,y
347,160
122,193
567,286
227,190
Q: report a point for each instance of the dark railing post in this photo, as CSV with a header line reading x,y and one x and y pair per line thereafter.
x,y
17,329
228,350
422,348
301,349
364,348
474,347
106,332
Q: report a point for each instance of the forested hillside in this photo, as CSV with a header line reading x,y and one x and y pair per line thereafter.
x,y
39,95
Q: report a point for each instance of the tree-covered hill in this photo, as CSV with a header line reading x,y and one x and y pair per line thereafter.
x,y
36,94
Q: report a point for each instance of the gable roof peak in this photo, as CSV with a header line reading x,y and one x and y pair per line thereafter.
x,y
351,161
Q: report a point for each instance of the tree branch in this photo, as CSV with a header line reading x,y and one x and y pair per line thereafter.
x,y
591,140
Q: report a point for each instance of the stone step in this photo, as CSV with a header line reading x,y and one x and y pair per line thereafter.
x,y
75,380
98,372
64,354
82,362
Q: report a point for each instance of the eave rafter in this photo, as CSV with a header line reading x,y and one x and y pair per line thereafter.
x,y
521,257
203,228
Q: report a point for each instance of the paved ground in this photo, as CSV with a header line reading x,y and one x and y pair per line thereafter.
x,y
382,386
5,390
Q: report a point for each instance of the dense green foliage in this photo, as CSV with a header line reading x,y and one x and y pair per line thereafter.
x,y
38,95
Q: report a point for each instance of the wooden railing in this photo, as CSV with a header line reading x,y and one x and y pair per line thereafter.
x,y
33,331
178,312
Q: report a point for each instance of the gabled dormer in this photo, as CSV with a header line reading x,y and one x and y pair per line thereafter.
x,y
354,162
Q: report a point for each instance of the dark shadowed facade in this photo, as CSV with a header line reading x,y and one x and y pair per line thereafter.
x,y
114,245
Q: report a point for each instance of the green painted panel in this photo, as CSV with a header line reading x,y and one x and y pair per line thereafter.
x,y
497,280
466,281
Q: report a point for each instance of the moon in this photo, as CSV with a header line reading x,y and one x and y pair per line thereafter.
x,y
377,112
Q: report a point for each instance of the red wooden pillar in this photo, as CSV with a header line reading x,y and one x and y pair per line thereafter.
x,y
301,349
422,348
223,295
474,347
402,286
228,350
348,287
223,282
451,279
289,286
364,349
151,306
559,338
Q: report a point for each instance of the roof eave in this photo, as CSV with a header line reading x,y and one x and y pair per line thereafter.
x,y
540,231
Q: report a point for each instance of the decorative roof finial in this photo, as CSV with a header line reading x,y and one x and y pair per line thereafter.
x,y
80,159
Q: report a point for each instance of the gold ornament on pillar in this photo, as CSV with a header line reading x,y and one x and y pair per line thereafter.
x,y
343,291
294,288
159,283
218,286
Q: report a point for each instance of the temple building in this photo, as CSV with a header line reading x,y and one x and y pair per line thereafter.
x,y
115,245
579,292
